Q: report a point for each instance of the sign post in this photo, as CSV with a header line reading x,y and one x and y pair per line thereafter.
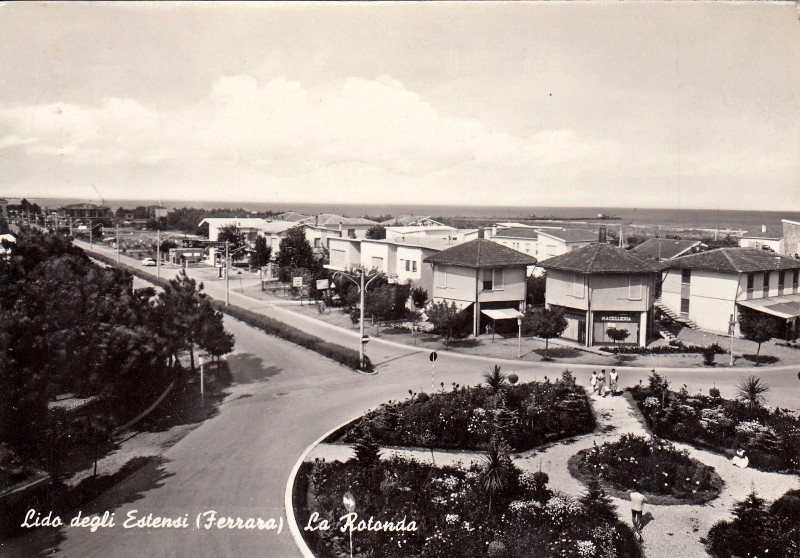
x,y
433,356
349,502
202,385
731,329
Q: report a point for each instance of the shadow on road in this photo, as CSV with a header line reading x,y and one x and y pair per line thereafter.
x,y
247,368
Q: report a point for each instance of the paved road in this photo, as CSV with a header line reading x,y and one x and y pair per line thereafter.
x,y
284,398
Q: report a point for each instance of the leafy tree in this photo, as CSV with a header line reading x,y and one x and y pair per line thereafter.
x,y
536,289
617,334
4,225
262,253
213,337
296,251
444,317
419,296
547,324
751,391
379,302
758,329
184,309
376,232
235,239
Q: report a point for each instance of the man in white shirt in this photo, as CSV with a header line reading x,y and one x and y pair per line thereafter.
x,y
637,504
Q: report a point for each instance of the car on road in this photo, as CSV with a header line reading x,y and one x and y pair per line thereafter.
x,y
148,262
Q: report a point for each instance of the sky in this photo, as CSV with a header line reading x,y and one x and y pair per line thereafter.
x,y
684,105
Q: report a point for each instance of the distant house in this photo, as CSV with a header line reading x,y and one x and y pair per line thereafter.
x,y
350,227
433,232
480,276
156,211
294,217
553,243
710,288
249,226
275,231
84,211
521,239
411,221
599,286
791,237
662,249
768,238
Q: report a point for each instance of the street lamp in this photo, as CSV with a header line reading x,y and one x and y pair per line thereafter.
x,y
228,255
519,343
362,287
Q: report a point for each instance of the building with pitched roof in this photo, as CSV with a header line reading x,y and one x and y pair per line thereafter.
x,y
411,221
768,238
662,249
522,239
554,242
599,286
710,289
480,276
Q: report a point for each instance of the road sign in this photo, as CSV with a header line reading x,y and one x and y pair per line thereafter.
x,y
349,501
297,281
798,375
365,339
433,356
322,284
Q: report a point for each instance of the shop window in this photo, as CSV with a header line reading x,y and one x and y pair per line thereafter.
x,y
781,281
414,266
635,287
686,276
766,283
577,285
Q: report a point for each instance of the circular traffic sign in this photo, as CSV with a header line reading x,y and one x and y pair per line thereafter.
x,y
365,339
433,356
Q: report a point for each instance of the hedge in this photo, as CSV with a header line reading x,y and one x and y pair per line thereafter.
x,y
342,355
674,347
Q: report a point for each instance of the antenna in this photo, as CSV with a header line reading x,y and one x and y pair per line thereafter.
x,y
102,199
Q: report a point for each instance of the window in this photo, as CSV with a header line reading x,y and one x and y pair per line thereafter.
x,y
684,306
577,285
766,283
686,276
317,242
781,281
492,279
408,265
635,287
794,279
441,277
337,256
751,279
351,233
414,266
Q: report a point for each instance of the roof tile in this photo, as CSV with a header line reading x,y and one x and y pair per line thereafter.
x,y
481,253
601,258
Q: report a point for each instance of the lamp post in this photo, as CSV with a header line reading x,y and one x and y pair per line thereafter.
x,y
158,253
519,343
227,272
117,242
362,287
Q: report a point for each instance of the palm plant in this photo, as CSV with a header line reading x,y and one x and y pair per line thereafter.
x,y
494,379
751,391
497,471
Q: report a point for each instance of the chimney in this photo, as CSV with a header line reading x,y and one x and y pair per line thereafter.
x,y
494,230
601,235
763,228
480,232
316,220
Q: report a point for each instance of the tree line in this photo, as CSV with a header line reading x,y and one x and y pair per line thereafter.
x,y
68,325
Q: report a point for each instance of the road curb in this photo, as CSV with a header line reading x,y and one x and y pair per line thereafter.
x,y
288,503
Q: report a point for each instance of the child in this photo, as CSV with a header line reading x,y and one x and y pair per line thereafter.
x,y
593,381
613,380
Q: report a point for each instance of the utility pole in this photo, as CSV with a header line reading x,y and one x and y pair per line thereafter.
x,y
158,253
227,273
91,230
117,242
362,285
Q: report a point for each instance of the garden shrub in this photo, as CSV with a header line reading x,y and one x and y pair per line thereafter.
x,y
527,415
450,508
650,465
675,346
771,437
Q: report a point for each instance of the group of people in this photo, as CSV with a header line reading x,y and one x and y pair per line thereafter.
x,y
599,384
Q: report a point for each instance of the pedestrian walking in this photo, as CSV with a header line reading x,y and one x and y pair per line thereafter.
x,y
637,506
593,381
612,380
601,383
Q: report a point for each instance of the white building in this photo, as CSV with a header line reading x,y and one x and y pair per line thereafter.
x,y
553,243
433,232
710,288
768,238
249,226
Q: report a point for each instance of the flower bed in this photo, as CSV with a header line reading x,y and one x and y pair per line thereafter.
x,y
451,512
675,346
651,466
771,438
527,415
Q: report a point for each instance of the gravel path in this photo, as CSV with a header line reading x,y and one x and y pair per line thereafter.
x,y
673,531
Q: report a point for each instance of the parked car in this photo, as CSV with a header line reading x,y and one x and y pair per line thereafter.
x,y
148,262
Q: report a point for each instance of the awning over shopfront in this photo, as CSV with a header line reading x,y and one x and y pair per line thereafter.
x,y
503,314
786,307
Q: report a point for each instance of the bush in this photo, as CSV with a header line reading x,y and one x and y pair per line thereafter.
x,y
708,356
527,415
651,465
675,346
